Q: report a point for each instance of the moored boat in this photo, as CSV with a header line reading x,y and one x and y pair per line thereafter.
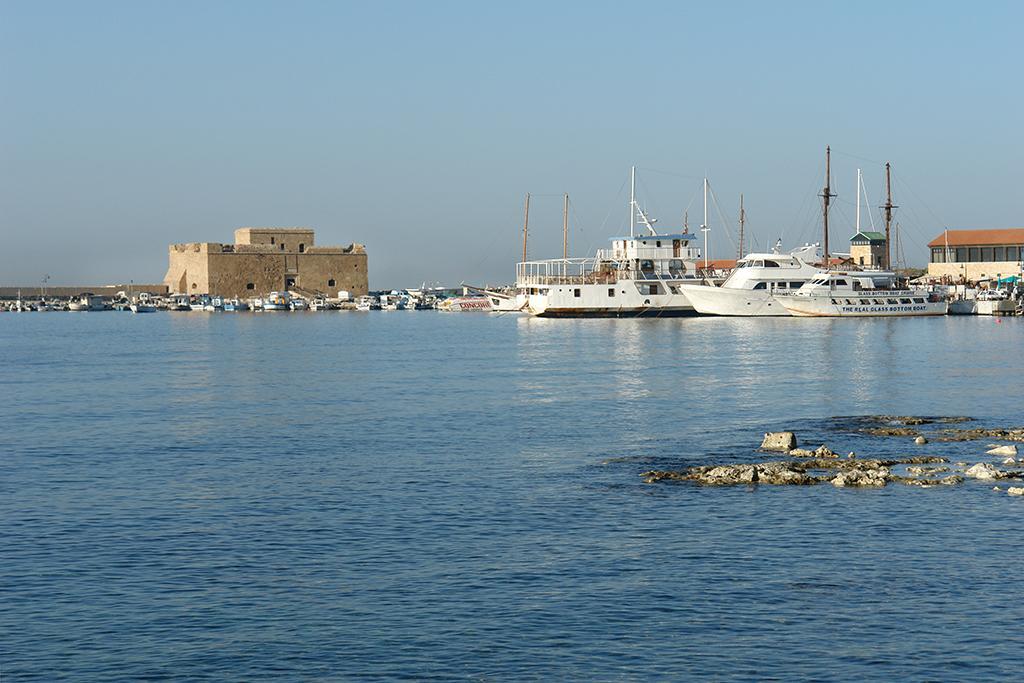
x,y
751,288
276,301
857,294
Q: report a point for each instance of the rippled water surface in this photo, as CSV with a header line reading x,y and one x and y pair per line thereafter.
x,y
422,495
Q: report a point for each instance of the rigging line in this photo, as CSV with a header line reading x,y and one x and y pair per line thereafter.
x,y
721,217
668,173
867,200
854,156
904,185
601,228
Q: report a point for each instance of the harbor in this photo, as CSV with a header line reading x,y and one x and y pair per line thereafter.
x,y
486,342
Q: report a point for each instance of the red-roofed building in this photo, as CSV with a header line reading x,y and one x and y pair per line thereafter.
x,y
977,254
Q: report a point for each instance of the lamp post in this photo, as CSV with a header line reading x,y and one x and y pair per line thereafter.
x,y
42,287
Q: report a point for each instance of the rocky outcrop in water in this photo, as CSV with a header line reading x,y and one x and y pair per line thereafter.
x,y
1011,434
780,442
1002,450
844,472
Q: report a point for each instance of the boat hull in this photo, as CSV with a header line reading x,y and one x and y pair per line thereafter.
x,y
648,312
808,306
733,302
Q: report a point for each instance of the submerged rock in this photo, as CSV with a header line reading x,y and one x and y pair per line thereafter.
x,y
951,480
920,441
1011,434
1002,450
781,442
891,431
918,470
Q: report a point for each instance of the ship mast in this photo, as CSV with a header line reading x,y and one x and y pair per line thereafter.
x,y
826,196
704,227
526,225
565,228
632,200
889,206
859,181
743,220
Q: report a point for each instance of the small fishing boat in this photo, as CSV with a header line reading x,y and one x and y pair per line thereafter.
x,y
235,305
277,301
298,304
367,303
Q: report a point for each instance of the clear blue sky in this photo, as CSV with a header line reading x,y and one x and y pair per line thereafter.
x,y
417,127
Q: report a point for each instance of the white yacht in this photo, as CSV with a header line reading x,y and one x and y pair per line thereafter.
x,y
858,294
751,288
640,276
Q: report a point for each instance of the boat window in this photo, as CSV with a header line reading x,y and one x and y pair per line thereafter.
x,y
757,264
249,285
652,289
918,301
658,243
611,291
576,293
879,302
760,285
835,302
795,285
780,285
851,302
840,283
905,301
647,265
771,264
675,264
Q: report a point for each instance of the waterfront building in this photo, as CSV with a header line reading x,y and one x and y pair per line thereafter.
x,y
867,249
264,260
974,255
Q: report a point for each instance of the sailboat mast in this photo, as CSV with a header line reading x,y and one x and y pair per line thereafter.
x,y
704,228
888,216
632,199
526,225
858,199
743,220
565,228
826,196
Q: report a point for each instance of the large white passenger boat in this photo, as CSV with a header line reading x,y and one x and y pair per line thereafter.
x,y
857,294
750,289
640,276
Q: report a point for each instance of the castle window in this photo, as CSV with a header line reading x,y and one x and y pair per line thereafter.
x,y
282,246
271,240
330,283
302,247
289,282
193,285
249,285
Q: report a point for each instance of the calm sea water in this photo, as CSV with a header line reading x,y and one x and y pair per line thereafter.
x,y
417,495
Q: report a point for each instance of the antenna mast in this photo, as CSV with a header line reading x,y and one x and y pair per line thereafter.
x,y
526,225
889,206
743,220
826,196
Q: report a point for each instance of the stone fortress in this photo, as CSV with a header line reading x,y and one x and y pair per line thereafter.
x,y
264,260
